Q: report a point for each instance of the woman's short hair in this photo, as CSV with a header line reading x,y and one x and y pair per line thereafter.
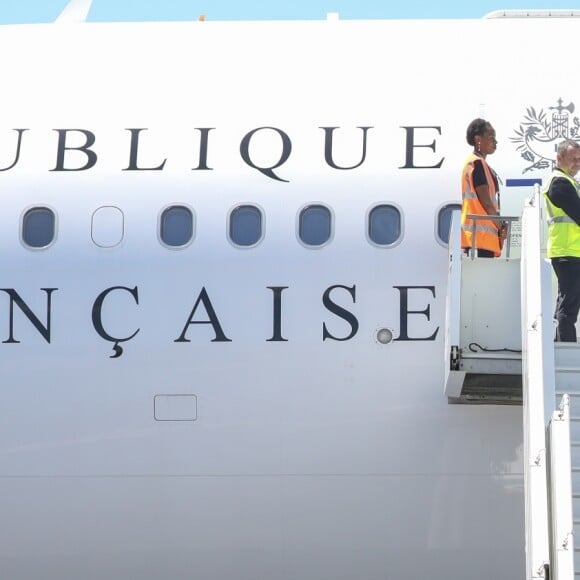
x,y
476,127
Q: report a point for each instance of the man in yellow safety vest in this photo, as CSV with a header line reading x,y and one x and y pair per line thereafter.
x,y
563,213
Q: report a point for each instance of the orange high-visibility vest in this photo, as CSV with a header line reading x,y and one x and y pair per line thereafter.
x,y
486,231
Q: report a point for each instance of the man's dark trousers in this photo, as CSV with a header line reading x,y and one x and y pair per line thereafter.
x,y
568,301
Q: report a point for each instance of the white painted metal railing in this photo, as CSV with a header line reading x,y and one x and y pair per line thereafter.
x,y
453,380
561,494
538,386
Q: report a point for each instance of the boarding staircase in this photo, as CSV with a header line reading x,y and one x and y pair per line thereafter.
x,y
563,444
563,470
551,388
531,370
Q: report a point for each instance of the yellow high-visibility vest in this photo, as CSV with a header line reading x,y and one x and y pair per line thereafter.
x,y
563,231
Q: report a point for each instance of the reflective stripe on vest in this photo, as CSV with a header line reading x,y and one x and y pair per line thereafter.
x,y
561,219
479,227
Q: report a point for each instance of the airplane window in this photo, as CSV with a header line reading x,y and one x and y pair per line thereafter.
x,y
384,225
314,225
246,225
107,227
176,226
444,221
38,227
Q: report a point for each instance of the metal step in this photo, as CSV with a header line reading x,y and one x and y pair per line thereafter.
x,y
575,474
576,484
568,379
575,433
567,354
575,453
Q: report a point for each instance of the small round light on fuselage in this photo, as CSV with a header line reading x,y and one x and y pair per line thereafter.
x,y
384,335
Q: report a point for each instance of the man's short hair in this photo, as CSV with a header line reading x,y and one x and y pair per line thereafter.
x,y
563,146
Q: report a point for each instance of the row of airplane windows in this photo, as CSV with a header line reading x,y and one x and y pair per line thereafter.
x,y
176,228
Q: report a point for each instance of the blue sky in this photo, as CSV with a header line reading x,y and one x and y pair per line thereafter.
x,y
23,11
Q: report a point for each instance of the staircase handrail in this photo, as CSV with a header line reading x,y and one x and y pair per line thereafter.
x,y
561,493
538,386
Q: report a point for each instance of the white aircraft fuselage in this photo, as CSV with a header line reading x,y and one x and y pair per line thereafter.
x,y
220,411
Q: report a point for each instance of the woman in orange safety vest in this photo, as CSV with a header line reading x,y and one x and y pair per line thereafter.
x,y
480,193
